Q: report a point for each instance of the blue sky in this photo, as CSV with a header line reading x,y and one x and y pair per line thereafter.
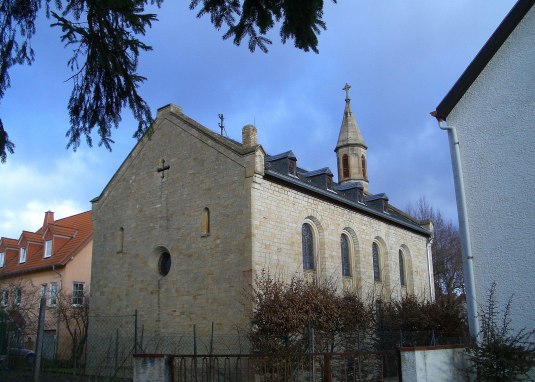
x,y
400,57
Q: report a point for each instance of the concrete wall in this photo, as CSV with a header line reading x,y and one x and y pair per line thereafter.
x,y
495,124
278,215
434,364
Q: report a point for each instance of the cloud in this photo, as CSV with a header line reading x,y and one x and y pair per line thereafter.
x,y
64,187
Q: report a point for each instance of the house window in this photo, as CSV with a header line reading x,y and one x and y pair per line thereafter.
x,y
18,296
308,246
48,248
205,222
402,269
363,160
53,296
345,166
22,258
43,290
376,263
77,293
2,259
5,298
344,249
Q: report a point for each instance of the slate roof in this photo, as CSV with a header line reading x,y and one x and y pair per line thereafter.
x,y
74,233
301,182
484,56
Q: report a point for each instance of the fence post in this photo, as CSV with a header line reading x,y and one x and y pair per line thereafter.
x,y
116,350
39,342
135,331
327,370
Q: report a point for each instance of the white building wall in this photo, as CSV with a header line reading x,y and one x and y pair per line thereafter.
x,y
495,121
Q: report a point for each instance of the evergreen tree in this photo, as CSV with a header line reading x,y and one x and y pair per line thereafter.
x,y
105,35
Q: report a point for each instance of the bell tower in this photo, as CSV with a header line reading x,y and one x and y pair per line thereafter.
x,y
351,149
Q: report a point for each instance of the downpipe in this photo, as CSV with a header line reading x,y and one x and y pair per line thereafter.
x,y
466,246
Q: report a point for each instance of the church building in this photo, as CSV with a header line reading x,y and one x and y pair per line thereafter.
x,y
191,217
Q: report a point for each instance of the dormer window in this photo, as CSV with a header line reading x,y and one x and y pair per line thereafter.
x,y
329,182
385,205
48,248
360,195
22,258
291,167
2,259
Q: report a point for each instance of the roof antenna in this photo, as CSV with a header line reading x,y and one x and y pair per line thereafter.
x,y
221,125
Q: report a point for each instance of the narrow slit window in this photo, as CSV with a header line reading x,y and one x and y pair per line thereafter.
x,y
205,222
402,269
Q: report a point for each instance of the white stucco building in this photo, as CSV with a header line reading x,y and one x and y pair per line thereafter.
x,y
491,108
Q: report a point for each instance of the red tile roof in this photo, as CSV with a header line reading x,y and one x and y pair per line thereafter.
x,y
71,234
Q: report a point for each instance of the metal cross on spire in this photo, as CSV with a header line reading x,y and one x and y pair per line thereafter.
x,y
346,88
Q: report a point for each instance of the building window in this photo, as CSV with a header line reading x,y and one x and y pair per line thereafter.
x,y
291,166
376,263
344,249
77,293
48,248
164,263
205,222
5,298
345,166
363,160
53,295
120,240
2,259
43,290
18,296
22,258
308,246
402,269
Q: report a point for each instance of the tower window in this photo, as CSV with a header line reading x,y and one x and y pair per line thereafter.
x,y
363,160
345,166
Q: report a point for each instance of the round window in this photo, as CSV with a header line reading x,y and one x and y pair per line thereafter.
x,y
164,263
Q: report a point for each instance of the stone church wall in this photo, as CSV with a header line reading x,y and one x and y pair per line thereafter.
x,y
278,215
140,214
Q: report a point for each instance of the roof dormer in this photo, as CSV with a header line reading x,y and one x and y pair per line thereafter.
x,y
322,178
285,163
378,201
353,191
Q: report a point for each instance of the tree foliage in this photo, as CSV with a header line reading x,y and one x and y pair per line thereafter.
x,y
502,354
106,34
446,249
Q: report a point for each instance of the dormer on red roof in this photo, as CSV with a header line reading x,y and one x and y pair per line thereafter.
x,y
50,247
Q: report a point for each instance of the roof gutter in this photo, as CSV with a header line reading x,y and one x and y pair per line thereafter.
x,y
468,259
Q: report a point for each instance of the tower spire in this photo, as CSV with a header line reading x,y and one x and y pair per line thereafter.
x,y
351,148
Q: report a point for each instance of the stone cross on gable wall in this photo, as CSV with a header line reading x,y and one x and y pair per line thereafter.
x,y
163,168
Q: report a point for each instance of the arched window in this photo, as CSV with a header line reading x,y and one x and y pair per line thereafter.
x,y
402,269
363,160
345,166
344,249
376,263
308,246
205,222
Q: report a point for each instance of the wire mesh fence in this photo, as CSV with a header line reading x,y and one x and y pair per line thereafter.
x,y
103,350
